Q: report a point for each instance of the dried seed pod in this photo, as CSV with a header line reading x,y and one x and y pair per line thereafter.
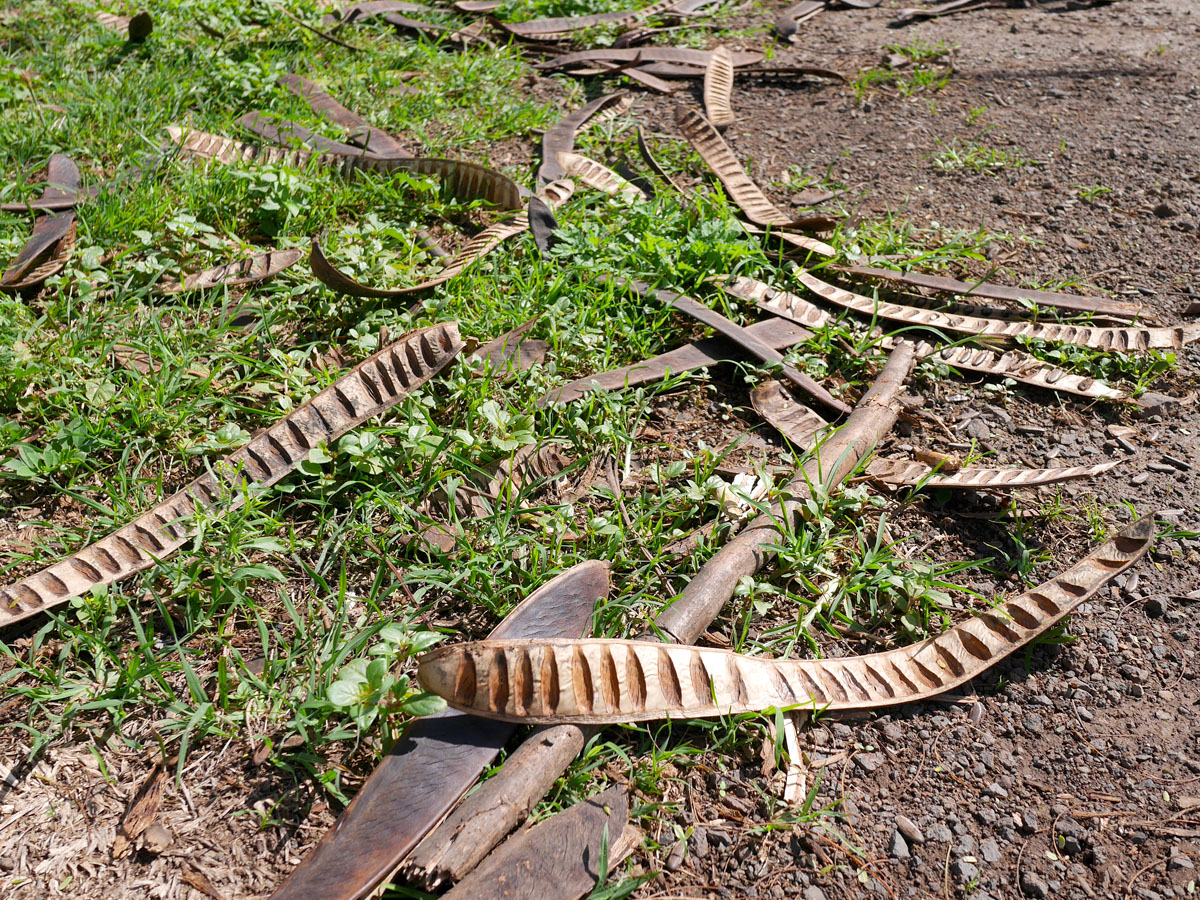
x,y
788,416
1014,364
600,177
1123,339
553,29
370,388
560,137
245,271
607,682
714,151
777,334
669,55
46,252
905,473
718,88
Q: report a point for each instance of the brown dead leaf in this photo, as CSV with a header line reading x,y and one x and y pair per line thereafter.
x,y
141,812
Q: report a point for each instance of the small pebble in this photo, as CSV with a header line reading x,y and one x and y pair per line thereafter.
x,y
909,829
897,848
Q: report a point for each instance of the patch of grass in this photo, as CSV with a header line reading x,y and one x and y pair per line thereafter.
x,y
916,74
977,156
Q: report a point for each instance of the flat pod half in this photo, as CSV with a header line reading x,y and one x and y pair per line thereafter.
x,y
251,270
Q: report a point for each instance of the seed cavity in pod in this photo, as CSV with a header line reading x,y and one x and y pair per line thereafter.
x,y
635,681
371,387
701,681
428,351
464,681
398,365
1021,615
581,681
1044,603
668,679
997,626
498,682
523,682
382,371
947,657
551,690
347,403
414,361
279,449
974,646
86,569
610,684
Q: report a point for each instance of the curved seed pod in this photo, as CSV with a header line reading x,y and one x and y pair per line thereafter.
x,y
799,241
905,473
778,334
287,133
370,388
372,139
560,137
1019,366
1014,364
61,191
485,242
478,6
815,71
781,303
677,55
788,416
463,180
511,351
788,22
529,465
600,177
552,29
203,145
718,88
713,149
992,291
245,271
606,682
1127,339
45,253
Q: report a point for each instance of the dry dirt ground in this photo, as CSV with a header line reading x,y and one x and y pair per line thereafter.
x,y
1073,772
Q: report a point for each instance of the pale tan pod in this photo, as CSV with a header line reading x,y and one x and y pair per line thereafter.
x,y
718,88
370,388
669,680
599,177
1014,364
788,416
905,473
1121,339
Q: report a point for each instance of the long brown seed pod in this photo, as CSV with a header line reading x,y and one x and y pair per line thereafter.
x,y
779,334
606,682
718,88
714,151
553,29
1014,364
370,138
992,291
560,137
480,245
245,271
600,177
1122,339
45,253
463,180
803,427
676,55
370,388
906,473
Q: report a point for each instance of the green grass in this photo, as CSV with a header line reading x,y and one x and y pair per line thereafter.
x,y
284,624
